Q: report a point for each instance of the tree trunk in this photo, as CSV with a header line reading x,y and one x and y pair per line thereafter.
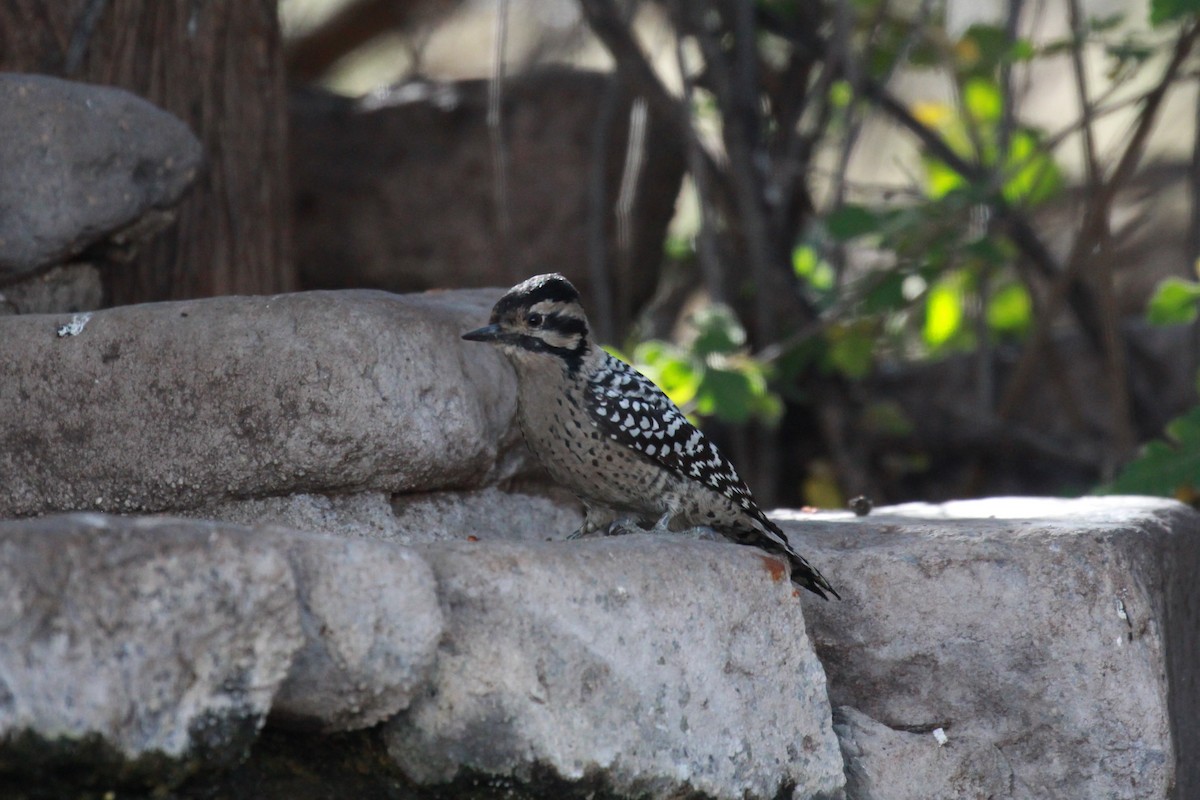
x,y
217,65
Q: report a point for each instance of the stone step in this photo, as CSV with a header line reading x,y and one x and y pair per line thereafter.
x,y
1053,642
170,406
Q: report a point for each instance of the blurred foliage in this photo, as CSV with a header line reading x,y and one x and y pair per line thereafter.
x,y
923,272
713,375
1169,467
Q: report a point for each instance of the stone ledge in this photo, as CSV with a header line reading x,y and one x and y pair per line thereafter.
x,y
1061,634
1052,642
662,665
170,406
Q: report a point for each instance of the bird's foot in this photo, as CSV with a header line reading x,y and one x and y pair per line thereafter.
x,y
622,527
616,527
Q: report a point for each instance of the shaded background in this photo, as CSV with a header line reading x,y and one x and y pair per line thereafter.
x,y
900,249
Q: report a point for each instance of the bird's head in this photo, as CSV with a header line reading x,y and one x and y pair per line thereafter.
x,y
538,318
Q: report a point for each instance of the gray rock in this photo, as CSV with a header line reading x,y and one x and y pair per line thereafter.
x,y
371,623
488,513
171,406
82,163
161,637
1059,634
640,665
887,764
69,288
366,515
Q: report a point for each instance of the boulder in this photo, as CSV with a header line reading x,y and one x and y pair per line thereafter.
x,y
371,622
82,164
171,406
635,666
1054,640
139,641
69,288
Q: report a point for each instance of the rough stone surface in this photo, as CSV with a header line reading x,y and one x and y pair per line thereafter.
x,y
653,665
887,764
488,513
371,623
69,288
81,163
1058,634
174,405
160,636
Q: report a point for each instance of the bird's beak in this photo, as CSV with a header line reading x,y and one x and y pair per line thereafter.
x,y
488,333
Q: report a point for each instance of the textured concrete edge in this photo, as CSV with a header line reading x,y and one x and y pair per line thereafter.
x,y
1181,565
219,740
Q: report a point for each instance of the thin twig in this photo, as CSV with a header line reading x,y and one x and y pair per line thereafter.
x,y
82,36
744,171
706,244
497,139
1116,371
627,193
1095,222
598,208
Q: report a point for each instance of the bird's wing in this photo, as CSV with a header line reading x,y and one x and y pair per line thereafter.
x,y
631,410
628,408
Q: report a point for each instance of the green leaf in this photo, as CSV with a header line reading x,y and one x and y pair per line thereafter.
x,y
812,269
887,294
850,221
1163,11
943,311
981,98
1010,309
1174,302
670,369
941,180
840,93
1036,177
717,331
981,48
679,248
1166,466
851,350
725,394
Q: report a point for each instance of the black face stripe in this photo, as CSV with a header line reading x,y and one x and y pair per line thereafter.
x,y
565,324
572,356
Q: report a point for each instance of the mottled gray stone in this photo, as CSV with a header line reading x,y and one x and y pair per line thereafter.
x,y
1059,634
649,665
82,163
159,636
69,288
488,513
371,623
887,764
171,406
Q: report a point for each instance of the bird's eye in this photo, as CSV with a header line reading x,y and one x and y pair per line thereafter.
x,y
534,320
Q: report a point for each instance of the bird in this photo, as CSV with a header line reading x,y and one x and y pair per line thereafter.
x,y
607,433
